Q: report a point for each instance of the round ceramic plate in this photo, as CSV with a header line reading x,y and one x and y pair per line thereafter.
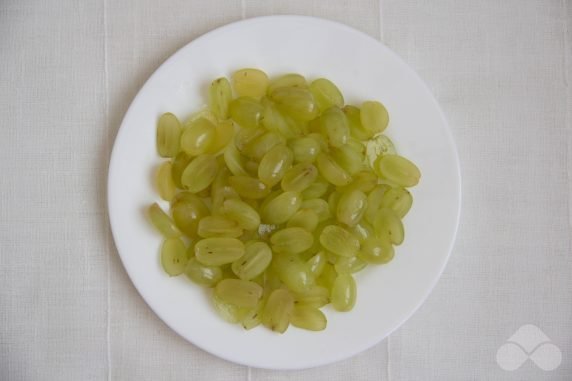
x,y
363,69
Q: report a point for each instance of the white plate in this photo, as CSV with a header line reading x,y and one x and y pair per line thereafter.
x,y
363,69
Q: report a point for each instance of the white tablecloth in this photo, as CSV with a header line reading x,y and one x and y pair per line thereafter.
x,y
501,70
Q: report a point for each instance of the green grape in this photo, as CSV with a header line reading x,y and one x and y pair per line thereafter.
x,y
287,80
291,240
398,170
228,311
319,206
327,277
333,200
241,293
168,133
344,292
249,187
254,317
251,167
339,241
234,161
274,120
246,136
295,102
163,222
326,94
293,272
204,275
374,200
299,177
220,191
364,181
363,230
317,263
374,116
179,164
246,111
315,296
220,94
269,198
200,173
277,311
256,259
349,265
356,144
378,146
274,164
309,318
173,256
334,125
250,82
218,251
258,147
351,207
198,137
316,190
349,159
320,139
281,208
376,250
245,215
331,171
357,130
397,199
224,132
218,226
304,218
187,210
165,184
388,225
305,149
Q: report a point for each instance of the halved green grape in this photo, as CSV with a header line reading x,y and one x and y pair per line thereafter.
x,y
349,159
363,230
304,218
245,215
388,225
319,206
334,125
364,181
333,200
249,187
201,274
220,191
316,263
246,112
296,102
349,265
305,149
376,250
281,208
234,161
241,293
163,222
353,115
351,207
200,173
316,190
299,177
374,200
256,259
165,184
315,296
378,146
220,94
224,132
277,311
173,256
254,317
168,133
258,147
374,116
218,251
228,311
331,171
274,165
218,226
339,241
294,273
326,94
250,82
245,136
179,164
291,240
287,80
309,318
187,210
397,199
198,137
274,120
344,292
398,170
327,277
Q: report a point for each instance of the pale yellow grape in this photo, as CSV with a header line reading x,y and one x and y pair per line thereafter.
x,y
241,293
250,82
351,207
269,198
320,139
187,210
163,222
335,126
315,296
333,200
245,215
356,144
319,206
374,200
173,256
299,177
357,130
281,208
317,189
224,132
397,199
165,184
349,159
398,170
287,80
274,164
331,171
251,167
220,94
249,187
218,226
218,251
255,261
344,293
364,181
376,250
228,311
309,318
204,275
317,263
295,102
258,147
274,120
198,137
246,112
349,265
277,311
339,241
374,116
304,218
326,94
179,164
200,173
234,160
291,240
363,230
168,133
305,149
246,136
388,225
